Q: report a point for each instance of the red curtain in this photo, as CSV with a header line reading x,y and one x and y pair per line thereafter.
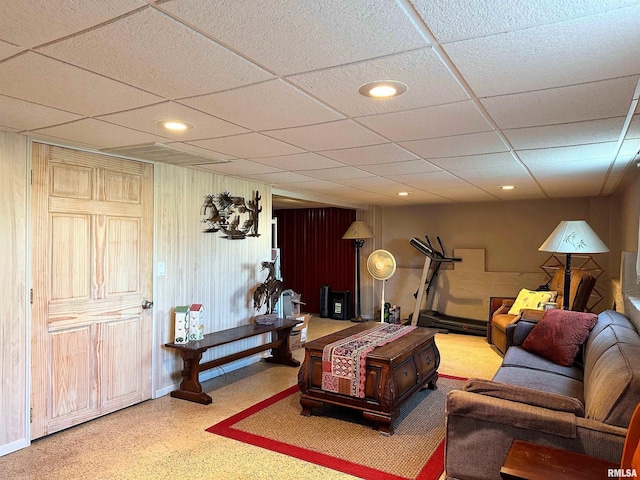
x,y
313,254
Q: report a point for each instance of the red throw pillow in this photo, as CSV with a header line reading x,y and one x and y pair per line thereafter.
x,y
559,335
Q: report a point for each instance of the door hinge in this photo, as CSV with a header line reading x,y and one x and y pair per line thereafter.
x,y
31,176
31,415
31,296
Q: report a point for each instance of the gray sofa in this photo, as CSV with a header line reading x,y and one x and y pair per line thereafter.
x,y
584,408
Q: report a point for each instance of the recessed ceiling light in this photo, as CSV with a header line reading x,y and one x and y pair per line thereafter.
x,y
175,125
383,89
403,194
507,187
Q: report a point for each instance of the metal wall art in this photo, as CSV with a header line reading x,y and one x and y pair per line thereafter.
x,y
269,291
232,215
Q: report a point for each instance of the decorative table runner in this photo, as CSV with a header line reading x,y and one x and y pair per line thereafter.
x,y
344,361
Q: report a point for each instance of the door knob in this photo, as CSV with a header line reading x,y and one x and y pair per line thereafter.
x,y
146,304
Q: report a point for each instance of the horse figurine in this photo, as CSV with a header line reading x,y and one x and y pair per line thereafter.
x,y
269,291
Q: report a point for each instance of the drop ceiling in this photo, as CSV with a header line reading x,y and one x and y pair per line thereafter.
x,y
537,94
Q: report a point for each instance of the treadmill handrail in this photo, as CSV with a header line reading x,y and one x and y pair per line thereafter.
x,y
430,252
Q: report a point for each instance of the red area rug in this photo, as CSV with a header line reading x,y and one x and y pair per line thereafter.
x,y
340,439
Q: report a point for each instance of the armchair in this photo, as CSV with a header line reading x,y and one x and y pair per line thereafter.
x,y
581,286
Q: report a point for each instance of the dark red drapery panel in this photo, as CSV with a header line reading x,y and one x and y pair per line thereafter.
x,y
312,252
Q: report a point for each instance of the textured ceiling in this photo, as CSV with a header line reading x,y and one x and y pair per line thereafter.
x,y
540,94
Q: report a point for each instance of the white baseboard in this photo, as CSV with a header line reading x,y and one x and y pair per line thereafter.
x,y
14,446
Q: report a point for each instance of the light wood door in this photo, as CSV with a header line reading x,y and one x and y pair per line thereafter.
x,y
92,271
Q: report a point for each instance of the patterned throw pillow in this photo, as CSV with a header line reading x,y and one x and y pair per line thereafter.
x,y
531,299
559,335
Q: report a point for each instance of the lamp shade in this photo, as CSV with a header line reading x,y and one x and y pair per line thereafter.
x,y
575,236
357,230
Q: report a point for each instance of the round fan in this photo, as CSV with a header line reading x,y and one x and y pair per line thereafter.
x,y
381,264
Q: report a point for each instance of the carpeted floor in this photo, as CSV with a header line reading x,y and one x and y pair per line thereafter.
x,y
165,438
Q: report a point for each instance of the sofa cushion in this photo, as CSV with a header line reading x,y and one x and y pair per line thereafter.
x,y
519,357
559,335
540,380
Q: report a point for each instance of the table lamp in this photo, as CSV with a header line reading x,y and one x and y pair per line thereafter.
x,y
358,232
573,236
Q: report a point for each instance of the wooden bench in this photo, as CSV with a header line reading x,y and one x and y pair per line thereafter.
x,y
191,353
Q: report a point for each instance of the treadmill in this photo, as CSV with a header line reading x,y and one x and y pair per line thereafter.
x,y
432,318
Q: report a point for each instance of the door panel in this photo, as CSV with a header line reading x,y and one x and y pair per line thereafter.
x,y
71,372
71,267
91,339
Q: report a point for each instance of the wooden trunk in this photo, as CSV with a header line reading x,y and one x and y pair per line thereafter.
x,y
394,372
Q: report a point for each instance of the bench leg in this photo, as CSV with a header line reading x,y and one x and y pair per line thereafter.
x,y
190,388
282,353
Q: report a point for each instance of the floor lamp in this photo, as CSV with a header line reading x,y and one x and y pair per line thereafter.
x,y
572,237
358,232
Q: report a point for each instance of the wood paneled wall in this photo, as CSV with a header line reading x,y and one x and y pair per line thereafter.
x,y
13,293
312,252
203,268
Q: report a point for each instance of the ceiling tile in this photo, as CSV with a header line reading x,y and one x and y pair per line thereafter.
x,y
585,187
27,116
443,182
99,134
326,136
282,178
7,49
489,161
575,133
200,151
459,19
28,23
371,183
510,175
427,179
265,106
239,167
300,162
590,101
469,144
295,36
339,86
372,154
634,127
149,50
339,173
577,51
145,118
390,170
55,84
314,185
443,120
465,194
419,197
585,154
248,145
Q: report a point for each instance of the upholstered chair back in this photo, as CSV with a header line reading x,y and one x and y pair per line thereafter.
x,y
582,284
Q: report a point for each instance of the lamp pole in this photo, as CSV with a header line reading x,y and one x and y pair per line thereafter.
x,y
358,243
567,283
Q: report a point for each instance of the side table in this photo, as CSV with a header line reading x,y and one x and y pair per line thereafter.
x,y
531,461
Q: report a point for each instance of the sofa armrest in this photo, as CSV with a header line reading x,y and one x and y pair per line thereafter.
x,y
480,429
514,414
529,396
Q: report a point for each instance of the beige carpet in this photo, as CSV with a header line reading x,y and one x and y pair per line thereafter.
x,y
342,439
